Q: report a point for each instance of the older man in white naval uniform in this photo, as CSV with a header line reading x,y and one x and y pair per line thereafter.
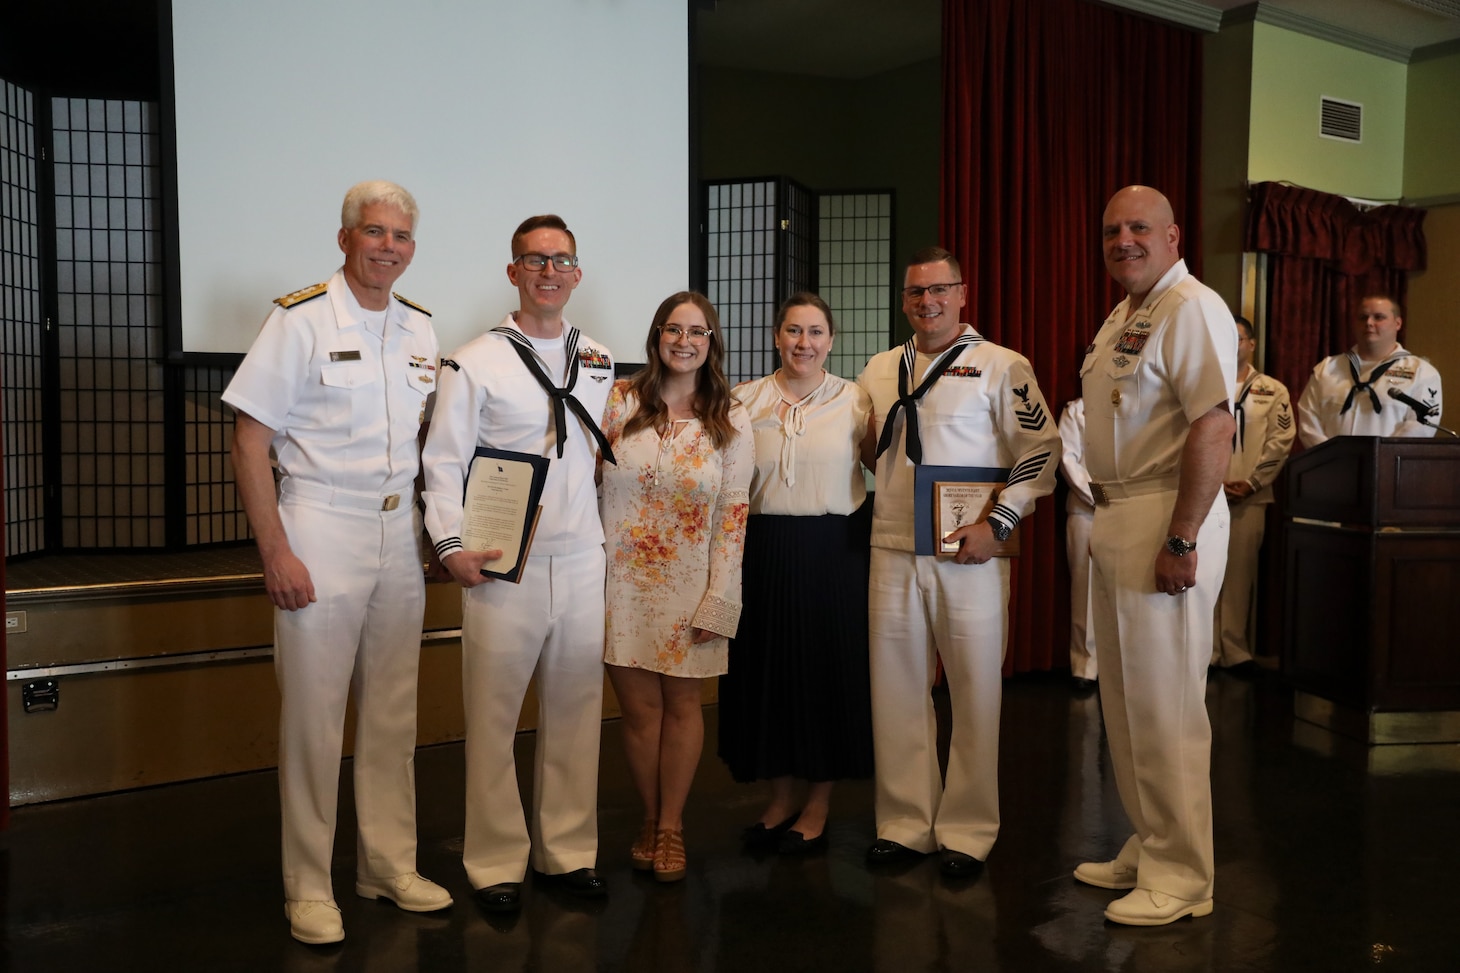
x,y
337,386
1158,428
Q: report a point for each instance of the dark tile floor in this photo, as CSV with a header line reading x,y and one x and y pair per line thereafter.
x,y
1330,858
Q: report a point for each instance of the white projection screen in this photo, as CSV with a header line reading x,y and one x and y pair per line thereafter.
x,y
488,111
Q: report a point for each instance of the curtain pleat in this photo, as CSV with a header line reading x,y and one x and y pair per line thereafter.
x,y
1050,106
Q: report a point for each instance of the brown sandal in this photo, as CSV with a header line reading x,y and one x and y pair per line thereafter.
x,y
642,853
669,860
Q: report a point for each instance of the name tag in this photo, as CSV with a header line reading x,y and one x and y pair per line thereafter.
x,y
344,356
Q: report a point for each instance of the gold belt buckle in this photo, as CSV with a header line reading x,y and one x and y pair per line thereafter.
x,y
1097,490
390,502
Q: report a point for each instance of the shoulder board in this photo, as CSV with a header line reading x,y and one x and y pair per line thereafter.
x,y
302,295
410,303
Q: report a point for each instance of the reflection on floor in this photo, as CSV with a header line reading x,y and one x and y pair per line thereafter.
x,y
1324,863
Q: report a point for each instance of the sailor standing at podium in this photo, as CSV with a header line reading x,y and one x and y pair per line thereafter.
x,y
337,385
1353,394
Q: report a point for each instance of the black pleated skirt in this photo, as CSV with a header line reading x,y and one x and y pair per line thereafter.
x,y
797,698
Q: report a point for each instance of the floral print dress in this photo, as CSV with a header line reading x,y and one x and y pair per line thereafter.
x,y
674,512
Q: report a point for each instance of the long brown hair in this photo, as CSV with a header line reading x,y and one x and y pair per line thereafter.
x,y
712,400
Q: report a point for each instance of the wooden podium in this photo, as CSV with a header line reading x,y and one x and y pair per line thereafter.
x,y
1371,616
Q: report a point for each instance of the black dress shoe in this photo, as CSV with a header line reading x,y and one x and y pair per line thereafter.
x,y
582,882
1244,670
506,897
955,864
758,837
885,852
796,843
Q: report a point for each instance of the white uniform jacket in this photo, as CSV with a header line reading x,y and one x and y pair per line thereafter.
x,y
1264,437
1151,373
1321,415
985,410
489,398
1072,459
346,411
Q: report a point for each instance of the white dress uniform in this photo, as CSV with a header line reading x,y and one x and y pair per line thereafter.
x,y
1335,404
550,625
1150,373
1079,516
985,410
346,395
1264,437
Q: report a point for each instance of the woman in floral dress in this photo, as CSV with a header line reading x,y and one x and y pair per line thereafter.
x,y
674,510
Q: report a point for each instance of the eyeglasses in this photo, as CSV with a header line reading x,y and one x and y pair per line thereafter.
x,y
537,261
939,291
674,332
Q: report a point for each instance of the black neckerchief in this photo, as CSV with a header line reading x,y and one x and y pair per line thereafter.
x,y
909,401
560,397
1367,386
1239,412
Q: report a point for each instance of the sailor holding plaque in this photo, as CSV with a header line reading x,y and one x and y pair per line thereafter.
x,y
949,398
533,385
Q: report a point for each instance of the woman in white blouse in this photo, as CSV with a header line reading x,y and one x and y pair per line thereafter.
x,y
795,705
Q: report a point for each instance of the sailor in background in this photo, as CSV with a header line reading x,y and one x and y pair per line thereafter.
x,y
1265,431
1352,394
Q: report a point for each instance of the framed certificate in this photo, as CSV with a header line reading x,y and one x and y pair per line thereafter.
x,y
501,506
946,498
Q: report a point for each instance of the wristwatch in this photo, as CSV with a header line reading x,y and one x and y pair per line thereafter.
x,y
1180,546
1001,530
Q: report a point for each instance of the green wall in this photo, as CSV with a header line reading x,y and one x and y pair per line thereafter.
x,y
1432,132
1290,72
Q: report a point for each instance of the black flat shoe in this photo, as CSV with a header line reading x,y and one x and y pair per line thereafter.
x,y
955,864
582,882
796,843
506,897
758,837
885,852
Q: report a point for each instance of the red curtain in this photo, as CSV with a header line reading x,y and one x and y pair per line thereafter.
x,y
1050,106
1324,255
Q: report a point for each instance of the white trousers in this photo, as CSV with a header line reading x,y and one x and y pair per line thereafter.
x,y
551,626
1231,642
920,609
1083,664
363,636
1153,650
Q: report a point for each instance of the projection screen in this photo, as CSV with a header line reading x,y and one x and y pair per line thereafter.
x,y
488,112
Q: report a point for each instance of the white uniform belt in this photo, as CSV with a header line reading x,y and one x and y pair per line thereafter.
x,y
338,498
1138,486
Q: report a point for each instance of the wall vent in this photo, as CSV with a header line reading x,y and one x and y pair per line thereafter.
x,y
1342,120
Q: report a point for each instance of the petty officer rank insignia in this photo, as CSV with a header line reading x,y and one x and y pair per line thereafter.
x,y
410,304
964,371
1132,342
300,296
1030,415
589,358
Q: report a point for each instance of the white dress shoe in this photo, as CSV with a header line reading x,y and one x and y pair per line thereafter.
x,y
1106,875
314,921
1147,907
410,892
